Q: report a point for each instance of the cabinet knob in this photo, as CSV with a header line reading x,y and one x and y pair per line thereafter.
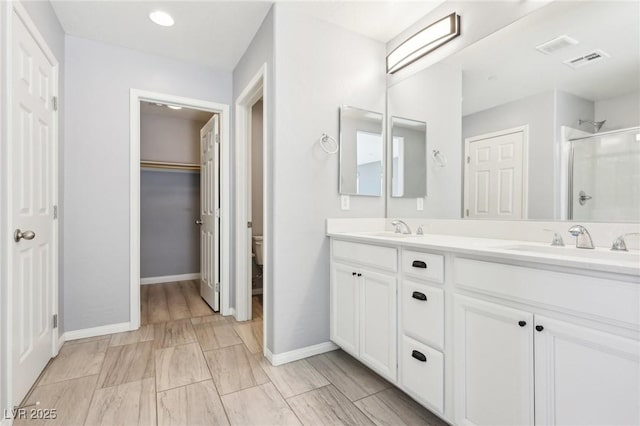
x,y
419,356
353,273
539,328
359,275
419,296
522,323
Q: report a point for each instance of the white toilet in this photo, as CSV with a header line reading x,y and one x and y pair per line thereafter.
x,y
257,249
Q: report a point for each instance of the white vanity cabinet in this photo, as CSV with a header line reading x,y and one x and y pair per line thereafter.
x,y
493,364
581,375
363,304
585,376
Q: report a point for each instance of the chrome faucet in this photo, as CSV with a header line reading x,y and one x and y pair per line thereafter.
x,y
583,238
619,244
401,227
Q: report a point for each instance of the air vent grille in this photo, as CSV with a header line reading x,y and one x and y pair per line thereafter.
x,y
556,44
587,59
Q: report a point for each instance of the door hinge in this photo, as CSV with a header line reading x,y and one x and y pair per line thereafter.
x,y
217,138
54,103
55,212
55,320
218,212
467,212
468,159
249,224
217,286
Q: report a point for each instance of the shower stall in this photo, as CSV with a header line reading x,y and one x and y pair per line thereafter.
x,y
604,176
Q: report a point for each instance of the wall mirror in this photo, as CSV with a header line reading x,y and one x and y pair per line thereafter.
x,y
408,158
361,152
543,119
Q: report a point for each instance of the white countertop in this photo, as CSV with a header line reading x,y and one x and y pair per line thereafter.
x,y
598,259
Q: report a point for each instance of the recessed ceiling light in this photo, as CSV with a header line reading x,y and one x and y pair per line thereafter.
x,y
174,107
161,18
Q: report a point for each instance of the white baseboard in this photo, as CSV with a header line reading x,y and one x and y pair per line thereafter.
x,y
61,339
96,331
295,355
169,278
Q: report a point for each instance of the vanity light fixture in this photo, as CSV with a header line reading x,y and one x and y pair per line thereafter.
x,y
426,40
161,18
174,106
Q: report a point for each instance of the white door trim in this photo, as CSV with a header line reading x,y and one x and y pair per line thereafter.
x,y
6,292
255,89
525,164
134,189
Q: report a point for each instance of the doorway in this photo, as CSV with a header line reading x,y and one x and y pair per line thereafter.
x,y
495,185
252,207
213,147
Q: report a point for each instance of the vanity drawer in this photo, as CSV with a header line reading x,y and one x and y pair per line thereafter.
x,y
570,293
383,258
422,373
422,310
425,266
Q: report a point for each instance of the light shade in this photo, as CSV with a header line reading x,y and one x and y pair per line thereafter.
x,y
161,18
426,40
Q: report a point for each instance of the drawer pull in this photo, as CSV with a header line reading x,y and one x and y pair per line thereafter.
x,y
419,264
419,356
539,328
419,296
353,273
522,323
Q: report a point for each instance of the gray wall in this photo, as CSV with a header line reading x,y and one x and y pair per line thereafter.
x,y
319,67
259,52
172,139
99,77
169,238
434,97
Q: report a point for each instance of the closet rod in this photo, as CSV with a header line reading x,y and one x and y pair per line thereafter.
x,y
168,165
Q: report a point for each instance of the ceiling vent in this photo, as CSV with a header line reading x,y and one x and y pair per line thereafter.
x,y
587,59
556,44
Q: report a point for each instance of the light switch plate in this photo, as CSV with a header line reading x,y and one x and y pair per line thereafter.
x,y
344,202
420,204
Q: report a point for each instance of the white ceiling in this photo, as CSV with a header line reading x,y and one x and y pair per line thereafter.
x,y
184,113
506,66
214,34
217,33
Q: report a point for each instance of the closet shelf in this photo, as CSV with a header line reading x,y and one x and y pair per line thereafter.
x,y
168,165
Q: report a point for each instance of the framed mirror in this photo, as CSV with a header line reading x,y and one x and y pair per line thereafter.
x,y
408,158
361,152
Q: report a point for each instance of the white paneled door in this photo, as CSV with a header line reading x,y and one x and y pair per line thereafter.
x,y
31,207
210,213
495,176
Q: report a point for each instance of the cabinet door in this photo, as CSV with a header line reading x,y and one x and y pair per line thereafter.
x,y
378,323
584,376
345,303
493,364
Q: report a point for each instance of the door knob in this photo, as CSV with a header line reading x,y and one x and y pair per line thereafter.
x,y
198,222
27,235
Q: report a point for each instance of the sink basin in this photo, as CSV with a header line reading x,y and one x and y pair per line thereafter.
x,y
597,253
386,234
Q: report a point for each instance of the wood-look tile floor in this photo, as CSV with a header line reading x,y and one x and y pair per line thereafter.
x,y
187,365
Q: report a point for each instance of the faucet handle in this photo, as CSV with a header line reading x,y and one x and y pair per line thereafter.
x,y
619,244
557,238
420,231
